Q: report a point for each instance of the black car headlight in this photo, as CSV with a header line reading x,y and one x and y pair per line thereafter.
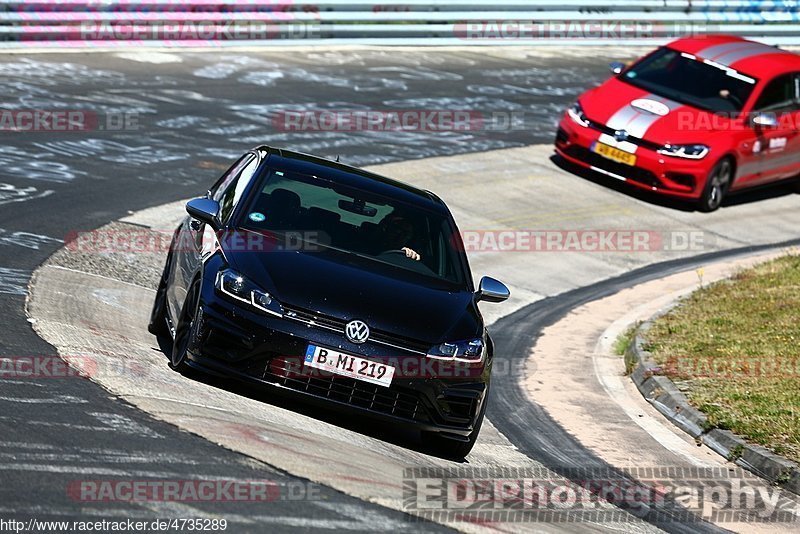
x,y
236,286
472,351
684,151
576,113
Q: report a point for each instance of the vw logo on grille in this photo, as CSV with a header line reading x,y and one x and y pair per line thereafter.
x,y
620,135
357,331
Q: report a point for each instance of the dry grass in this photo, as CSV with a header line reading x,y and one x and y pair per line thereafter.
x,y
735,347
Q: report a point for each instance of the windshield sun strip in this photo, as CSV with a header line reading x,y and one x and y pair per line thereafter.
x,y
733,73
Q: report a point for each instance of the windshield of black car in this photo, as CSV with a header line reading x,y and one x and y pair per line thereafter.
x,y
690,80
325,215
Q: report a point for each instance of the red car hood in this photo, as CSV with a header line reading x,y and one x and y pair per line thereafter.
x,y
642,114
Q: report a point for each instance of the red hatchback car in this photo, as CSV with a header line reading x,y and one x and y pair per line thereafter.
x,y
693,119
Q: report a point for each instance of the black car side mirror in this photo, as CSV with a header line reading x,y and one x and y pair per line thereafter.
x,y
204,210
491,290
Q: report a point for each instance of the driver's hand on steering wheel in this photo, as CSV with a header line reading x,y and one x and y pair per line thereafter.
x,y
411,253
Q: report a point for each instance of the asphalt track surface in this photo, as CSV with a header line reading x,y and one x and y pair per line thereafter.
x,y
191,122
188,120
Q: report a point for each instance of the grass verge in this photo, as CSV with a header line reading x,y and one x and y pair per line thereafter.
x,y
625,339
734,348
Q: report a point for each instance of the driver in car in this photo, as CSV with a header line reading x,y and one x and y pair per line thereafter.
x,y
394,233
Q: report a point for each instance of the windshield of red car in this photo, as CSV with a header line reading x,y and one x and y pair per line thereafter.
x,y
690,80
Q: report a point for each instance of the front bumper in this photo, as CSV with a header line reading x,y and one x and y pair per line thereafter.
x,y
269,351
675,177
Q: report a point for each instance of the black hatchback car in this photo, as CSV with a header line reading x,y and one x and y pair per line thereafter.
x,y
352,289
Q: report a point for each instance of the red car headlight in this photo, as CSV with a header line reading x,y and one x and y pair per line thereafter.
x,y
575,113
685,151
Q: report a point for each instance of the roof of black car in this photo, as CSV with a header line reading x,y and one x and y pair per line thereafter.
x,y
352,176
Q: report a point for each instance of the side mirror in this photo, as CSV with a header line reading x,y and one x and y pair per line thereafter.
x,y
765,120
616,67
204,210
491,290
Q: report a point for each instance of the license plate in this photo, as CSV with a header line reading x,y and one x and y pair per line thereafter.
x,y
615,154
346,365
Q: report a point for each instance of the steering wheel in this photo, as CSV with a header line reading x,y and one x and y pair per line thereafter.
x,y
399,252
735,99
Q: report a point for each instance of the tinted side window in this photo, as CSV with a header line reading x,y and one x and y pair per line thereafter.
x,y
779,95
218,188
230,190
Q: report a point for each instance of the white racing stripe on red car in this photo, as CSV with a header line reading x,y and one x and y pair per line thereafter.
x,y
729,53
636,121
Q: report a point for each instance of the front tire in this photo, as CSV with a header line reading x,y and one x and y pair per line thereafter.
x,y
717,185
158,316
186,329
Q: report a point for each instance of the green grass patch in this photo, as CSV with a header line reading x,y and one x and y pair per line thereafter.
x,y
736,345
624,340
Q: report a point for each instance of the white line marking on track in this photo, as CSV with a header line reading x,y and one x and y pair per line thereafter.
x,y
126,425
58,399
14,281
81,457
19,382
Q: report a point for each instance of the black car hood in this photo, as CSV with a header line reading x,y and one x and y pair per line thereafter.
x,y
346,287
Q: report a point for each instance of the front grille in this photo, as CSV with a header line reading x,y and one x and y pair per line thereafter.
x,y
389,401
312,319
337,325
638,141
620,169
